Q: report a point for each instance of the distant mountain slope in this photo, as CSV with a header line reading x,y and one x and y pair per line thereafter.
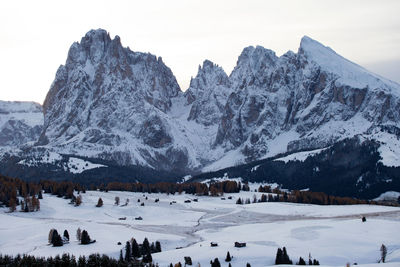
x,y
351,167
20,122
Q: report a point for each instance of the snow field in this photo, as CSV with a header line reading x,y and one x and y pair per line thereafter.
x,y
334,235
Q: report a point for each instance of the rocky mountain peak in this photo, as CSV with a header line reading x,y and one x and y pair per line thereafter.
x,y
253,66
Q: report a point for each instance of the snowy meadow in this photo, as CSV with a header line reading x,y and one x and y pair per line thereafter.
x,y
334,235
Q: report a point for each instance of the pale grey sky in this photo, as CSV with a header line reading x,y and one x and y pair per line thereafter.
x,y
35,35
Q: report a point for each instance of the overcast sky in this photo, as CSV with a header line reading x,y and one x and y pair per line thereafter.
x,y
35,35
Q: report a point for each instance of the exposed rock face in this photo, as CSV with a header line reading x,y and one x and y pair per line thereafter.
x,y
208,92
112,103
20,123
316,94
106,99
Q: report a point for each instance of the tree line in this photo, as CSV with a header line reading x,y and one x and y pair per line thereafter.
x,y
68,260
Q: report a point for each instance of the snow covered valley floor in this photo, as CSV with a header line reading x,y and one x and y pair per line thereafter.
x,y
334,235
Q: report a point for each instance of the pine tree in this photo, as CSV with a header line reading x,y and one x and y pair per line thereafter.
x,y
82,261
40,195
135,249
79,234
278,258
147,258
146,246
12,204
50,237
54,234
158,246
99,203
128,251
285,257
248,265
57,241
228,257
239,201
383,253
121,257
216,263
66,235
116,201
85,238
301,261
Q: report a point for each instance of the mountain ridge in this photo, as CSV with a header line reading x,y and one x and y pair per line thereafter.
x,y
114,104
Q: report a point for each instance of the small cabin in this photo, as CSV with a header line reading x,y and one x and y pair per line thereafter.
x,y
214,244
239,245
230,197
187,201
138,218
195,200
122,218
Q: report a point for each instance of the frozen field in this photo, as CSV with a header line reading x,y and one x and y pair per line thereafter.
x,y
334,235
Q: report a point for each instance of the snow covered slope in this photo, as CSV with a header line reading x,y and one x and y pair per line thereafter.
x,y
20,122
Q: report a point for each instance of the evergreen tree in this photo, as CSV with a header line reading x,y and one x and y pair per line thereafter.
x,y
85,238
301,261
248,265
383,253
116,201
66,235
145,247
315,262
228,257
57,241
82,261
278,258
99,203
79,234
121,257
54,234
40,195
128,251
239,201
147,258
50,237
135,249
216,263
158,246
285,257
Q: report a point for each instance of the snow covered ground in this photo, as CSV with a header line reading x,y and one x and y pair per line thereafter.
x,y
334,235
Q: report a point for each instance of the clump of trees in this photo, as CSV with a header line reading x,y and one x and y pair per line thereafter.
x,y
215,263
282,257
55,238
134,250
12,189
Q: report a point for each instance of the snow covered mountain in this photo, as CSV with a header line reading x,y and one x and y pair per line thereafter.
x,y
20,123
111,103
